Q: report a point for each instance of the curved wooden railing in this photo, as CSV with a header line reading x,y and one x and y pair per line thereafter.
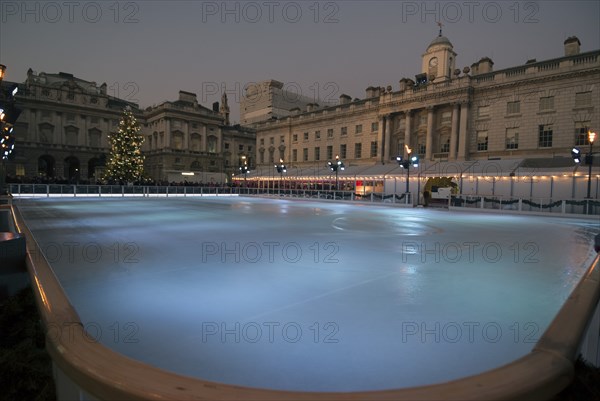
x,y
107,375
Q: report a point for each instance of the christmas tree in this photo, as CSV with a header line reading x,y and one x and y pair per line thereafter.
x,y
125,162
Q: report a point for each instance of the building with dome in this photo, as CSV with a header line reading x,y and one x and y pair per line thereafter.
x,y
539,109
529,114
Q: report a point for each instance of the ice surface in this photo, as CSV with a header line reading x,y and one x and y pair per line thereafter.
x,y
314,296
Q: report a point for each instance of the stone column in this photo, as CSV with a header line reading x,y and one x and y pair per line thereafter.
x,y
167,133
61,134
463,140
429,138
33,134
186,135
219,134
407,131
454,133
204,133
386,146
380,138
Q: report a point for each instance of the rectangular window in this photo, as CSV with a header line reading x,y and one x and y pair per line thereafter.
x,y
482,140
305,154
71,117
272,140
358,129
94,120
343,151
483,111
330,133
226,146
241,148
512,138
317,153
423,119
262,157
421,149
344,131
262,141
330,152
294,155
20,170
445,148
306,136
513,107
374,149
317,135
581,133
583,99
357,150
547,103
545,136
374,127
295,138
281,139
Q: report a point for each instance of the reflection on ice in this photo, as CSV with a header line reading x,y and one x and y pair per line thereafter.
x,y
307,295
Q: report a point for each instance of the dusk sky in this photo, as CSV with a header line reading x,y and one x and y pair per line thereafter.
x,y
146,51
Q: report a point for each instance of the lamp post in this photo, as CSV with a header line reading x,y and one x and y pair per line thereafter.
x,y
244,169
414,160
280,169
336,166
590,161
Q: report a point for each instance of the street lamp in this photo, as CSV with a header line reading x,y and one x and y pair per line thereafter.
x,y
281,168
336,166
414,160
244,168
589,160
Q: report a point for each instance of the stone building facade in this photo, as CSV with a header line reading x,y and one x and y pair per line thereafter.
x,y
538,109
62,133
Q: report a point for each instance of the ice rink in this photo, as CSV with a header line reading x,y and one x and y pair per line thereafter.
x,y
314,296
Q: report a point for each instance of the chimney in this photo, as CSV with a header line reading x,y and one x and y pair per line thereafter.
x,y
311,106
572,45
103,88
403,83
474,68
485,65
370,92
345,99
